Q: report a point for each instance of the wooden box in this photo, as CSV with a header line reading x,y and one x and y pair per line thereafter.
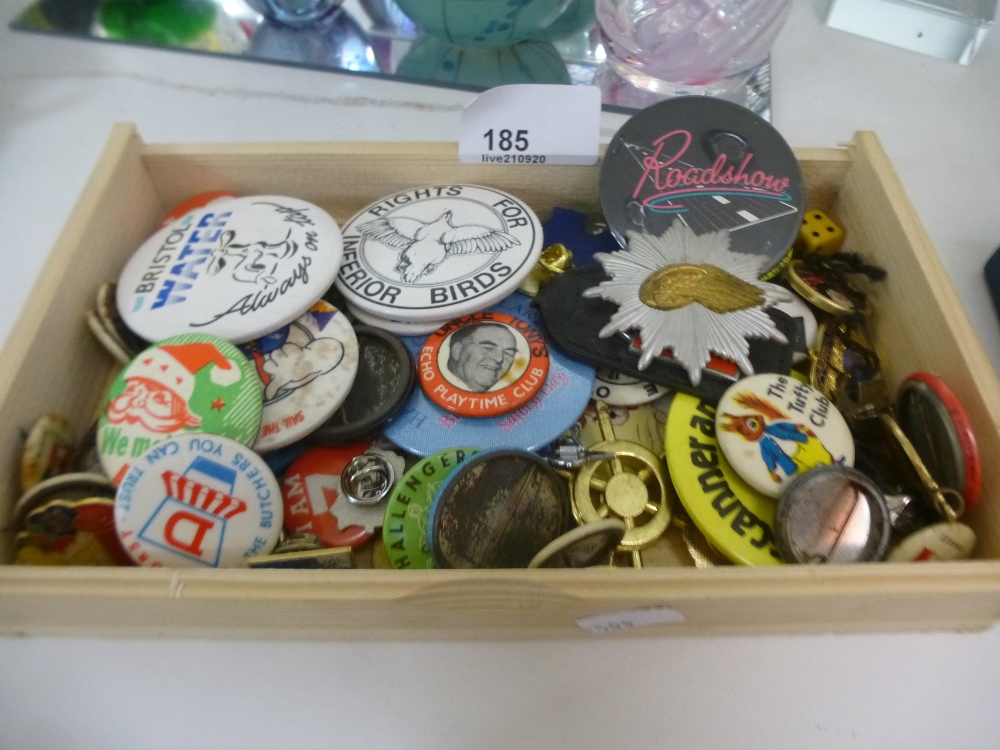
x,y
53,364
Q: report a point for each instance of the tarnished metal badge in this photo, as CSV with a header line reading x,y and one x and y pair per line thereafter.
x,y
384,379
437,253
497,511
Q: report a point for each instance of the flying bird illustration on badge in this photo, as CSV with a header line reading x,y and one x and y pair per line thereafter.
x,y
426,245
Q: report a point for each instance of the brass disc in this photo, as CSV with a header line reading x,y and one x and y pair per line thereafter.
x,y
621,494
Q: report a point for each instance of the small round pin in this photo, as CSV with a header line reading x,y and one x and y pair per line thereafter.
x,y
404,534
938,426
188,383
237,268
736,519
664,162
422,427
947,540
772,428
367,479
307,369
198,500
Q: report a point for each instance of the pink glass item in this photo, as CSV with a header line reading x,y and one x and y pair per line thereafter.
x,y
689,46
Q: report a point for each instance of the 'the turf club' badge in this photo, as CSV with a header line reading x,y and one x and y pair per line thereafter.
x,y
439,252
483,364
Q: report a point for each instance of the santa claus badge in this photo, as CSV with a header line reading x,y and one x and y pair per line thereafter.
x,y
438,253
307,369
188,383
691,295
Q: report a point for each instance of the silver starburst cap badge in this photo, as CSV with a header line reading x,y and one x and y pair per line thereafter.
x,y
691,294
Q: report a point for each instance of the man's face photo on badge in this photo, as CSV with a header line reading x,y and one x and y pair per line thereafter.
x,y
481,354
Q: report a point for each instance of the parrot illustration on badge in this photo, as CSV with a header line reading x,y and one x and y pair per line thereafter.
x,y
763,427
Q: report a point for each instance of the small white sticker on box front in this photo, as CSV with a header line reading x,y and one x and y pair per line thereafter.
x,y
628,619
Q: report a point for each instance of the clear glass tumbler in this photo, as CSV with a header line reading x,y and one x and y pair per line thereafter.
x,y
689,46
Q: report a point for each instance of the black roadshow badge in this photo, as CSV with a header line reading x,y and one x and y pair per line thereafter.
x,y
711,164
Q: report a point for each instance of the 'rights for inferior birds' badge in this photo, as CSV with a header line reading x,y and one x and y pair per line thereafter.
x,y
437,253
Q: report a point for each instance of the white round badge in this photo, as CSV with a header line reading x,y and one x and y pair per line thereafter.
x,y
307,369
239,269
198,501
398,327
772,428
618,389
437,253
797,308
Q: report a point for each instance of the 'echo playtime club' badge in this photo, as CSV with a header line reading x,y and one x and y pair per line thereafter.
x,y
436,253
238,268
188,383
483,364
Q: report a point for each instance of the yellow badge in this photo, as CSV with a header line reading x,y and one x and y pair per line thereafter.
x,y
735,518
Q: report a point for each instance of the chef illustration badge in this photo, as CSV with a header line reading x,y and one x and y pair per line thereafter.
x,y
238,268
307,369
188,383
438,252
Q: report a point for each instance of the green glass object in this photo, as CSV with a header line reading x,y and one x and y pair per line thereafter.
x,y
483,22
162,22
533,61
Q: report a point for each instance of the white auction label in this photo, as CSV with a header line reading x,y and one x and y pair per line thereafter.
x,y
629,619
532,123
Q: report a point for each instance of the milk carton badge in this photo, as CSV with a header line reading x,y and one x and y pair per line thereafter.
x,y
198,501
191,519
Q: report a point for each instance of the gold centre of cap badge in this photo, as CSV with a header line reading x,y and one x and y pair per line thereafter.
x,y
679,285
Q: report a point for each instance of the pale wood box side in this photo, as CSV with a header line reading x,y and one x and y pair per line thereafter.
x,y
54,365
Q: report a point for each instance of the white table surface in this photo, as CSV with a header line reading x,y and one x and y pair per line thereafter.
x,y
938,122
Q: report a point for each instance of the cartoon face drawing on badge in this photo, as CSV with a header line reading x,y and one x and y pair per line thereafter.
x,y
292,359
424,246
762,426
153,405
480,354
252,263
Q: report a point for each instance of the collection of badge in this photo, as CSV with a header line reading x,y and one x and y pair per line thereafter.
x,y
449,382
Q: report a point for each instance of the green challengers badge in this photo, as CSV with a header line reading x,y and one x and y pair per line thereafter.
x,y
187,383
